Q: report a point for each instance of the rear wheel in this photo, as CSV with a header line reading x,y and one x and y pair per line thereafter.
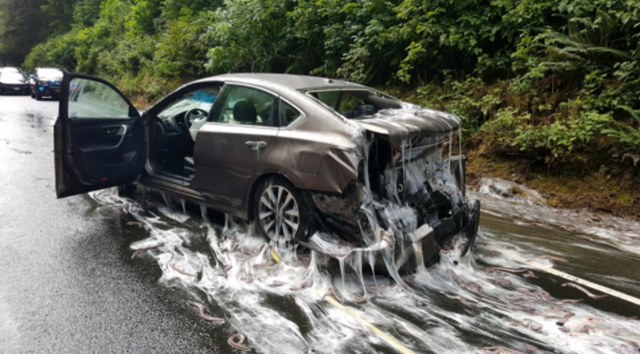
x,y
38,96
280,212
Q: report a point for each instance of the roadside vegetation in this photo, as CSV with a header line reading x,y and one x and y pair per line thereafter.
x,y
549,90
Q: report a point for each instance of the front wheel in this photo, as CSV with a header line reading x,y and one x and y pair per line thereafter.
x,y
280,212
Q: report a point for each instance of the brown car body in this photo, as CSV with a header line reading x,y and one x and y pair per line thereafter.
x,y
325,152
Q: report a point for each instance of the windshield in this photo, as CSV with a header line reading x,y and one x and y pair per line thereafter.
x,y
9,70
49,74
354,103
201,99
13,77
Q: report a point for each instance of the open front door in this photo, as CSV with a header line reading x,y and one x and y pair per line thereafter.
x,y
99,137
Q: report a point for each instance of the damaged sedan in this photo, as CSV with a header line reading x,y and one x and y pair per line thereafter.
x,y
336,166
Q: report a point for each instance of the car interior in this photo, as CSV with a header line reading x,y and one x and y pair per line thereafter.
x,y
176,124
174,130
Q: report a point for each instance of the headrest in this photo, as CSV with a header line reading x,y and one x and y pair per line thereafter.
x,y
245,112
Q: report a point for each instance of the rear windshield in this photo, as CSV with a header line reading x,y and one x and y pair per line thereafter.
x,y
354,103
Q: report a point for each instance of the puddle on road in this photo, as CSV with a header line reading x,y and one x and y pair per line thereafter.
x,y
281,307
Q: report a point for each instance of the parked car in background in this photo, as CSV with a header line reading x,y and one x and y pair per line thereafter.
x,y
301,156
13,80
10,69
45,82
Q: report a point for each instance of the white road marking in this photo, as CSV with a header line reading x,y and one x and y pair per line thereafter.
x,y
393,342
584,282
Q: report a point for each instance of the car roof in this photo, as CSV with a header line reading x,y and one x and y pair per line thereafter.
x,y
284,81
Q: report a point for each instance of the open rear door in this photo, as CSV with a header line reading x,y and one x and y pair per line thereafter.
x,y
99,137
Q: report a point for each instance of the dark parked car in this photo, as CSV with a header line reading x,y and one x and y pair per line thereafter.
x,y
298,155
45,82
12,80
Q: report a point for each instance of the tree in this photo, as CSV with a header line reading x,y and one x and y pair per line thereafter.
x,y
21,28
57,15
86,12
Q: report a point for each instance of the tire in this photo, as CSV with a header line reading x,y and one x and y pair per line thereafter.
x,y
38,96
280,212
126,190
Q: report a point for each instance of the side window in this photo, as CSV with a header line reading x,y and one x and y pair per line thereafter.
x,y
246,106
288,114
92,99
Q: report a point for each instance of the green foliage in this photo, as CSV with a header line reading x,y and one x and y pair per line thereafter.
x,y
541,79
174,9
560,139
249,35
56,52
627,135
469,99
144,16
182,51
348,38
95,44
86,13
58,14
21,27
501,131
449,36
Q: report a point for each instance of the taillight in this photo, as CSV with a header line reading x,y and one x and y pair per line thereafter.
x,y
396,155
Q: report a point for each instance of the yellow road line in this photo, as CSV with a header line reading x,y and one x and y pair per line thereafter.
x,y
275,255
394,343
584,282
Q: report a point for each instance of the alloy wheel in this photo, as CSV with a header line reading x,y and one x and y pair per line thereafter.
x,y
278,213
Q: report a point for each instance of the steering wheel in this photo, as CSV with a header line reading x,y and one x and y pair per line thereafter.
x,y
194,114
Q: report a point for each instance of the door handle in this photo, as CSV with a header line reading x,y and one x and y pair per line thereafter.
x,y
119,131
256,145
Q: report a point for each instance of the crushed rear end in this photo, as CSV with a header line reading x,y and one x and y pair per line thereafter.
x,y
409,201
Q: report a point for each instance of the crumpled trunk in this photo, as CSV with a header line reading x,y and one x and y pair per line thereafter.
x,y
409,124
410,201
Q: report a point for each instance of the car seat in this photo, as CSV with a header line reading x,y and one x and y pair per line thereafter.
x,y
245,112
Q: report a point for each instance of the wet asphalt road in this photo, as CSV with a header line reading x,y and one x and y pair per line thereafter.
x,y
67,283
